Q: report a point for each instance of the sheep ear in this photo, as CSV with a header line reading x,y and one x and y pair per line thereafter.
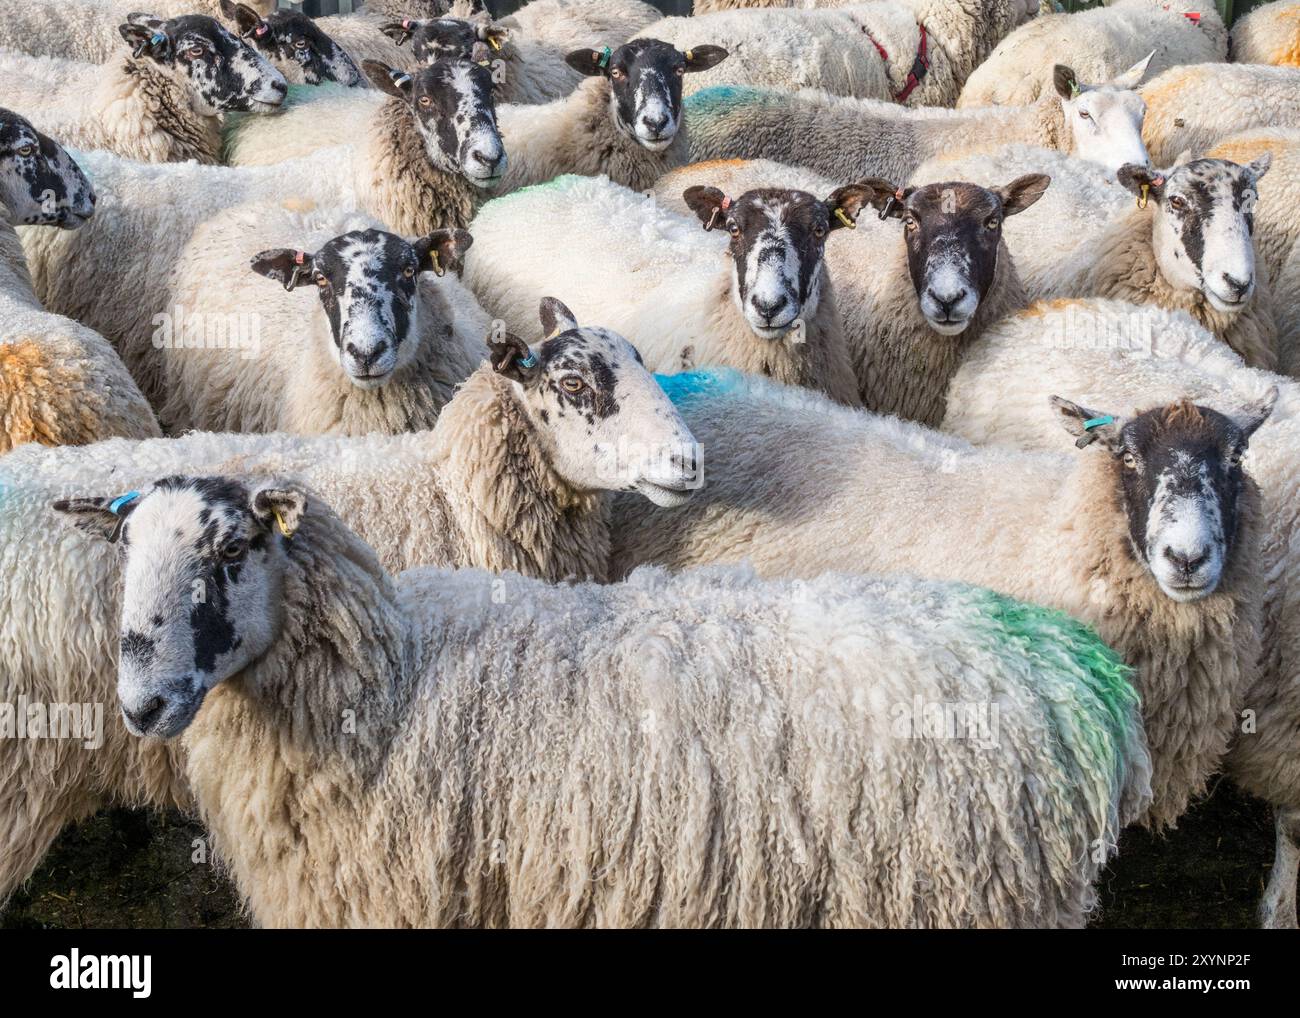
x,y
285,265
282,508
1022,192
387,79
847,201
512,358
247,21
494,35
99,516
591,62
701,58
1088,426
1259,165
1135,178
556,317
400,31
442,250
1066,82
885,198
708,203
1131,78
1250,417
146,37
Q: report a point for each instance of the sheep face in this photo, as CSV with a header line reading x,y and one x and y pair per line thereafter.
x,y
778,243
435,39
1179,477
201,589
291,40
451,101
1203,226
1105,120
221,73
602,420
366,283
645,79
40,185
953,234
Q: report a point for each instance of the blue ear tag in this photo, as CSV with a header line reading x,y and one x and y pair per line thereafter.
x,y
604,57
528,362
1098,422
157,38
115,507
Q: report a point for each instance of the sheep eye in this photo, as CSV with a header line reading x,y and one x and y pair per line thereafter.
x,y
408,272
617,75
909,223
1130,461
1177,202
300,45
322,282
233,550
733,228
27,150
572,384
1235,459
1085,115
425,101
819,231
679,71
993,223
194,52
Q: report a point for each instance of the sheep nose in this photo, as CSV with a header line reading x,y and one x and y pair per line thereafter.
x,y
768,309
1187,564
655,124
280,86
1235,287
687,463
143,717
92,198
365,359
946,304
488,160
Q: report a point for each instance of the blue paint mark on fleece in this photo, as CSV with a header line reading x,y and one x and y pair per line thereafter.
x,y
720,99
696,385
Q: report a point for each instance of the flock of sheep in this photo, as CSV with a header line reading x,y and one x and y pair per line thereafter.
x,y
827,464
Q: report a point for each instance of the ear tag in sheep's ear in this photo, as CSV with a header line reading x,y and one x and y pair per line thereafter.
x,y
288,532
690,55
530,361
261,29
1083,441
398,78
894,199
713,219
298,269
839,214
1146,191
406,24
602,60
494,42
438,270
115,507
156,38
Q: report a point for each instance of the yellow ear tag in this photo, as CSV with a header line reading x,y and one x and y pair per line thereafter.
x,y
437,265
839,214
279,520
1142,199
494,42
689,56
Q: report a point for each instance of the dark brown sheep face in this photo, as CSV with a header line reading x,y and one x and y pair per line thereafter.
x,y
451,101
202,581
223,74
1204,224
778,243
953,233
40,185
290,39
366,280
1179,476
601,418
645,77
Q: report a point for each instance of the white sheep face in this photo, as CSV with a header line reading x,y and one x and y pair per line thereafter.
x,y
603,421
202,583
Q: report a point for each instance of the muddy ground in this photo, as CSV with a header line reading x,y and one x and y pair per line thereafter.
x,y
126,868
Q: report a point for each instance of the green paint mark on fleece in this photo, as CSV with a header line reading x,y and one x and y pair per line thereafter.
x,y
1092,698
719,100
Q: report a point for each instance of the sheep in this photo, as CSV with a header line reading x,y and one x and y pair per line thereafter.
x,y
909,52
415,170
361,33
510,478
76,30
568,24
843,138
667,748
1118,356
762,305
60,383
623,121
1098,41
1268,34
159,103
304,54
1187,245
1277,228
798,486
1189,109
937,282
380,349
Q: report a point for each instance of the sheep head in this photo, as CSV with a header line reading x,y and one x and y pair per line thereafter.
x,y
40,184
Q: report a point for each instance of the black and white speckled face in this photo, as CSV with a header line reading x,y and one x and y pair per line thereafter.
x,y
604,422
202,582
293,42
366,282
778,243
1204,225
1105,120
953,233
40,185
1180,480
645,77
435,39
223,74
451,101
